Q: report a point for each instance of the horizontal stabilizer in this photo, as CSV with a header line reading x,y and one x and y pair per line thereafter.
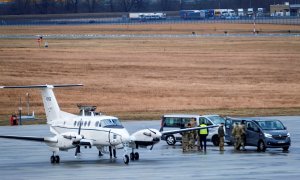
x,y
43,86
28,138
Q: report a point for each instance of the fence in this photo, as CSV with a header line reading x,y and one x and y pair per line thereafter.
x,y
127,21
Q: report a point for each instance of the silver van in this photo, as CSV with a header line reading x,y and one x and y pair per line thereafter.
x,y
177,121
261,133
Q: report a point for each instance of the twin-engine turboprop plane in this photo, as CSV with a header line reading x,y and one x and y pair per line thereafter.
x,y
89,129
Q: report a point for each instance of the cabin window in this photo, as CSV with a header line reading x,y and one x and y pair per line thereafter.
x,y
85,123
89,123
97,123
75,123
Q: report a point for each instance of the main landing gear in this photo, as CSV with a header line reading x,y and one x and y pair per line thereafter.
x,y
134,156
54,159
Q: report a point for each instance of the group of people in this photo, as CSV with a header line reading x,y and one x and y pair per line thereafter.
x,y
189,138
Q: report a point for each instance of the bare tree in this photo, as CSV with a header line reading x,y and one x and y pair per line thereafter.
x,y
91,5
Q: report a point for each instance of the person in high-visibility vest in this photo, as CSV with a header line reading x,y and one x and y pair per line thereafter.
x,y
202,136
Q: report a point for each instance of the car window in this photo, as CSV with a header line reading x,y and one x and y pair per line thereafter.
x,y
202,119
251,126
217,119
208,122
271,125
172,122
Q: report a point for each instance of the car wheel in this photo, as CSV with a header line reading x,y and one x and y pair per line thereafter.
x,y
170,140
215,140
261,146
286,148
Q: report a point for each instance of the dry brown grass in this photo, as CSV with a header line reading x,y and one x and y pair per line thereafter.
x,y
143,78
200,28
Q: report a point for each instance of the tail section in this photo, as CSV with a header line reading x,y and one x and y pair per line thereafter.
x,y
51,106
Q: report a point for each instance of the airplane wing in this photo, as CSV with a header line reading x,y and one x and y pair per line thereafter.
x,y
30,138
186,129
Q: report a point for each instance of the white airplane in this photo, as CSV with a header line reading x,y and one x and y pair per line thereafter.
x,y
89,129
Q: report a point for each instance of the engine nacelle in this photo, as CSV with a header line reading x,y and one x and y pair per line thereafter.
x,y
72,136
146,137
64,143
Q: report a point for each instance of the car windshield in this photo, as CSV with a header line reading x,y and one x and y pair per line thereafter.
x,y
271,125
217,119
111,123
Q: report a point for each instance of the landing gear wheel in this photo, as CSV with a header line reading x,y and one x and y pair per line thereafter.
x,y
132,156
261,146
215,140
170,140
57,159
136,156
126,159
52,159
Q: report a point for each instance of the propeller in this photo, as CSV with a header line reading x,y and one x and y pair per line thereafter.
x,y
151,131
77,145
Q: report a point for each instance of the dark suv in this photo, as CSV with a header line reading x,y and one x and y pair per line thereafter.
x,y
261,133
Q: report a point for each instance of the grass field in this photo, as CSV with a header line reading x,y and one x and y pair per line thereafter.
x,y
145,78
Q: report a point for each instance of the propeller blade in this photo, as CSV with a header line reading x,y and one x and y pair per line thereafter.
x,y
151,147
151,130
77,150
79,129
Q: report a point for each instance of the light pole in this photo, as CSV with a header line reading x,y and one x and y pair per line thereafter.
x,y
27,95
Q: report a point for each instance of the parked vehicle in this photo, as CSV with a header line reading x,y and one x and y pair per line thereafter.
x,y
177,121
147,16
192,14
261,133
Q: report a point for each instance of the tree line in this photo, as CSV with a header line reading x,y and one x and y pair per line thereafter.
x,y
17,7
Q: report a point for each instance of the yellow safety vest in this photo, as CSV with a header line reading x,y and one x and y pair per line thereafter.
x,y
203,131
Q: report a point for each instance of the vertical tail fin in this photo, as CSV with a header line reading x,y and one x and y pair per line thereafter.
x,y
51,106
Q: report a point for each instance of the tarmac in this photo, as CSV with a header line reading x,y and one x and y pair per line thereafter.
x,y
31,160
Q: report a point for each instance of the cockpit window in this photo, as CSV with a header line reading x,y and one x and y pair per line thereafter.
x,y
271,125
111,123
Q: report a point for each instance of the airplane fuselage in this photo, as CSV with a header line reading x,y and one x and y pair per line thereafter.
x,y
102,130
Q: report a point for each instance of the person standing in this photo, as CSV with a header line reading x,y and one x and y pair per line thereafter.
x,y
221,135
202,136
185,139
243,134
192,135
235,133
13,120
